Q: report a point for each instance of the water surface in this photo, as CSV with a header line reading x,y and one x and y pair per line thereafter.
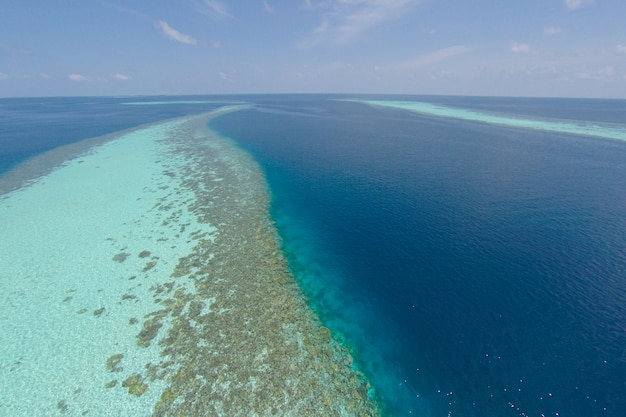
x,y
472,267
477,269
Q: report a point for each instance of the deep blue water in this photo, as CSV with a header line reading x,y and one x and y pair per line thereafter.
x,y
477,270
474,270
30,126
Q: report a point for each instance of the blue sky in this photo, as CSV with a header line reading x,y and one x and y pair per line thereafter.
x,y
564,48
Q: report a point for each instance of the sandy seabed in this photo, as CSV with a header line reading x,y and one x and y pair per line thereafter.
x,y
144,276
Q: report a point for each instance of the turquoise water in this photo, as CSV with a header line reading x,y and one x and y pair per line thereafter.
x,y
168,103
76,249
473,266
585,128
141,275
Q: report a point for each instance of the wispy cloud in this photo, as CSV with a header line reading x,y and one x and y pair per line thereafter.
x,y
432,57
552,30
77,77
214,9
606,73
575,4
226,77
344,20
4,76
124,9
269,9
335,66
172,33
621,49
519,48
318,4
122,77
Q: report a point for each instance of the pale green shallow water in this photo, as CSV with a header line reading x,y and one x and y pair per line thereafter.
x,y
158,103
146,278
59,240
605,131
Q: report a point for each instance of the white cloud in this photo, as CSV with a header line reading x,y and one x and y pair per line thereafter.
x,y
225,77
601,74
217,7
517,47
77,77
214,9
318,4
432,57
172,33
124,10
335,66
122,77
217,44
621,48
45,76
267,7
4,76
575,4
552,30
344,20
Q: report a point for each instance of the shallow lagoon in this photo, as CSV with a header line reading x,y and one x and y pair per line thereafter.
x,y
600,130
145,277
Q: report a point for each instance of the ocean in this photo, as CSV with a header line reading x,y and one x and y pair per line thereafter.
x,y
469,252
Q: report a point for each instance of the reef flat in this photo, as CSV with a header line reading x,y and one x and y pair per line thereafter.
x,y
583,128
147,278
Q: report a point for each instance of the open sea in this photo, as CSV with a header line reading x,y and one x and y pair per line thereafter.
x,y
469,252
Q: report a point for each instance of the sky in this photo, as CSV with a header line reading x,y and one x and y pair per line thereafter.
x,y
541,48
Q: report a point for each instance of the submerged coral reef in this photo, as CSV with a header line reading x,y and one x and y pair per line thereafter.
x,y
241,340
